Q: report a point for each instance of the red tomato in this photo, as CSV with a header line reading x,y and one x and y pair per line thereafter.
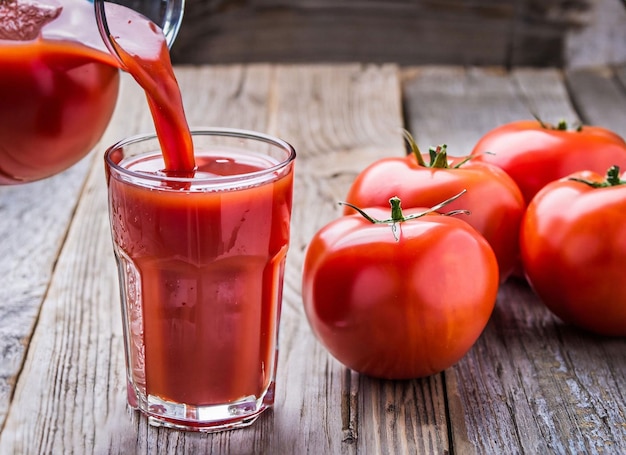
x,y
398,300
573,245
494,201
534,153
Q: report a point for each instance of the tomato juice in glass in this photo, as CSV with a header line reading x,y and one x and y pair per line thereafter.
x,y
200,224
201,262
58,91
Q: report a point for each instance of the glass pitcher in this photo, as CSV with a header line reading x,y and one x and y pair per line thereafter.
x,y
59,81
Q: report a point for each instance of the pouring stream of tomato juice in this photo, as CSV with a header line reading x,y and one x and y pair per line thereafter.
x,y
143,52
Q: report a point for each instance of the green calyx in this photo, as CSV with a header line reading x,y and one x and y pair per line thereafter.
x,y
397,216
612,179
560,126
438,155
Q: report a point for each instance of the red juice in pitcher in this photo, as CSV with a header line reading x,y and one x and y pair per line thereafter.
x,y
58,88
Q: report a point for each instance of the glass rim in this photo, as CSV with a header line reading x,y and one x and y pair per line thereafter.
x,y
203,131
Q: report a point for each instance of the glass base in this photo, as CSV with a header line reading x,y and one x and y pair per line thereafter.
x,y
205,419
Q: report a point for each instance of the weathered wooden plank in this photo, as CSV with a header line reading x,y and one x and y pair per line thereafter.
x,y
602,38
33,225
456,106
620,72
599,97
341,121
410,32
350,31
71,395
530,384
545,95
535,385
407,32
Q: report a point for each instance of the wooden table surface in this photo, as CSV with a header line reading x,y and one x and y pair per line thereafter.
x,y
529,385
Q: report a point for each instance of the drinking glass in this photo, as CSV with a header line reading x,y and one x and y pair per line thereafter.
x,y
201,263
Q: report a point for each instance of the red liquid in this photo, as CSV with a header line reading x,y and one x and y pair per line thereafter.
x,y
144,53
209,273
204,270
56,100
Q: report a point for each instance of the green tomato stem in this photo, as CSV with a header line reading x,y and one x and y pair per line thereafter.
x,y
612,179
560,126
414,149
438,155
396,210
397,216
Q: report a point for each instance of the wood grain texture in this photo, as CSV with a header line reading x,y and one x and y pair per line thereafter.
x,y
456,106
599,96
33,226
620,72
534,385
511,33
602,41
407,32
530,384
